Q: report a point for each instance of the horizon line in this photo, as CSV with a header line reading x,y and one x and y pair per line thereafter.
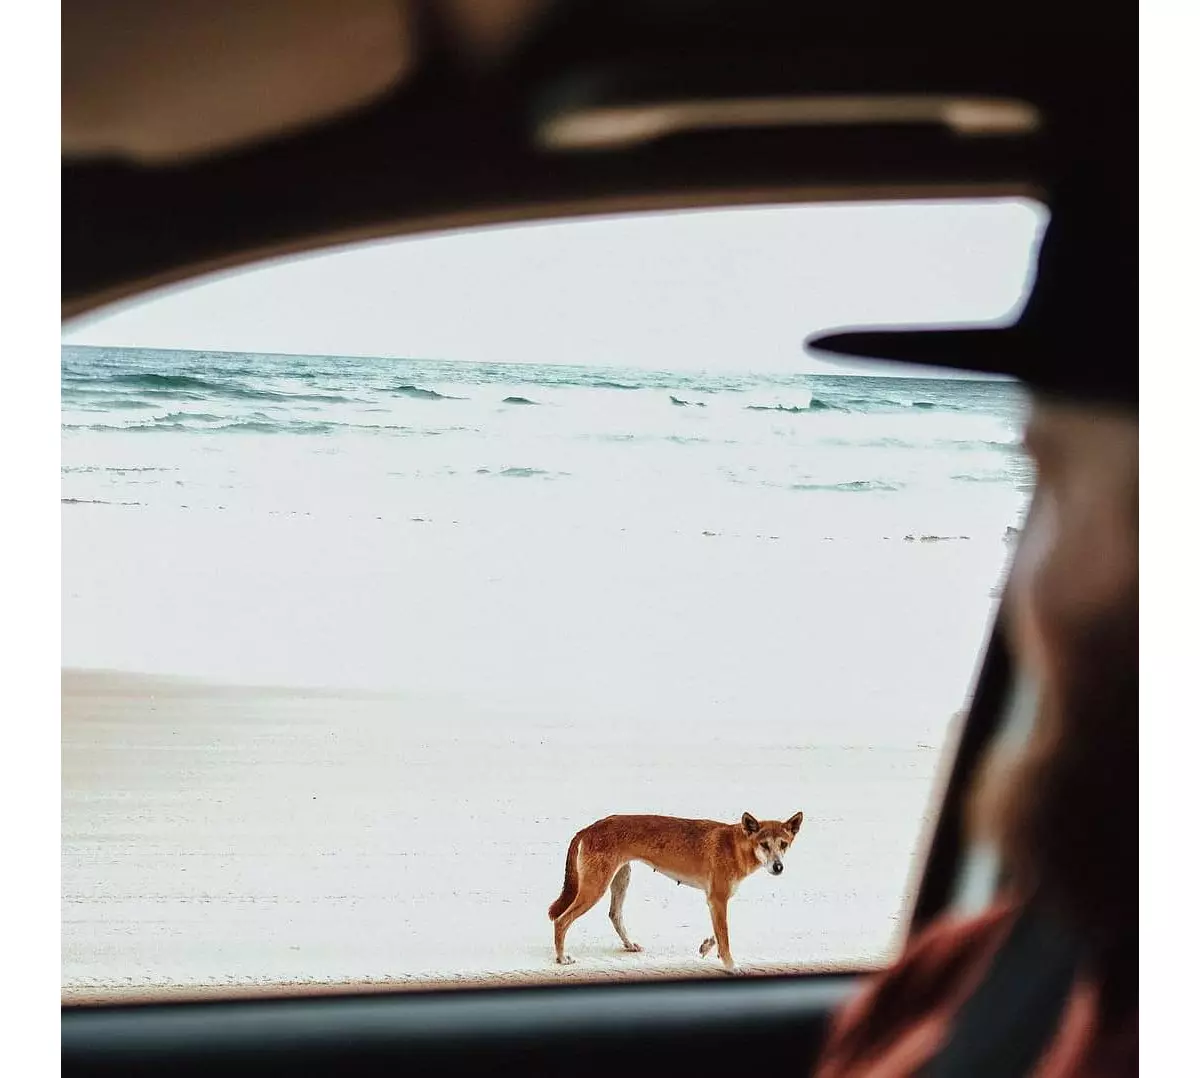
x,y
886,369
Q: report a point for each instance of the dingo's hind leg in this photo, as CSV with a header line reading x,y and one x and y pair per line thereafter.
x,y
620,885
593,882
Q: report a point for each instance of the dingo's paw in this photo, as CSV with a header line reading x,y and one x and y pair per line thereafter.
x,y
634,948
565,960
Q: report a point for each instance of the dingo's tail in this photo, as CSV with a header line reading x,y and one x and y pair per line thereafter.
x,y
570,881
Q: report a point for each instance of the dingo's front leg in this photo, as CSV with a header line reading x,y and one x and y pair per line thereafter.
x,y
718,906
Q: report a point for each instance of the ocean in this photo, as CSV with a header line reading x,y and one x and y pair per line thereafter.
x,y
386,438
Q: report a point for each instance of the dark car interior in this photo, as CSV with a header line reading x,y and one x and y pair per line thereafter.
x,y
582,107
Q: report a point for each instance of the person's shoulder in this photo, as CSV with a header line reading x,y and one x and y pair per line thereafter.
x,y
947,950
953,942
938,968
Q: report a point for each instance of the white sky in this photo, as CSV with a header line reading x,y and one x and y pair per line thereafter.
x,y
703,289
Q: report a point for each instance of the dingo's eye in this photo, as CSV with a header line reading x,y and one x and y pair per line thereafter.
x,y
765,845
782,847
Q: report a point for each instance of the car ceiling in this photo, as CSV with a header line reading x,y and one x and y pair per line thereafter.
x,y
210,132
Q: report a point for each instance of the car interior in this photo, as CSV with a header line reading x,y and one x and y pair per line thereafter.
x,y
199,137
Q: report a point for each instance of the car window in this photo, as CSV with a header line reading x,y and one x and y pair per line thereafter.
x,y
387,570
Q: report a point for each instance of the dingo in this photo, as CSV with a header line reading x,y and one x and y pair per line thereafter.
x,y
710,856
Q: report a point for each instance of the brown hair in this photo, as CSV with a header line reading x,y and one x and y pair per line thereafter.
x,y
1063,810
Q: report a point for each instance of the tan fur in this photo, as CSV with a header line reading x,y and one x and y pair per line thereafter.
x,y
710,856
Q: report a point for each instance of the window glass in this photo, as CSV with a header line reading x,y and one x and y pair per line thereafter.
x,y
386,570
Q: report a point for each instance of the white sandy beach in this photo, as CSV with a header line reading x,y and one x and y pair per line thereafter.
x,y
215,834
248,838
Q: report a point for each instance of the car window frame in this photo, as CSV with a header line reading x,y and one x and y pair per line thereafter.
x,y
943,850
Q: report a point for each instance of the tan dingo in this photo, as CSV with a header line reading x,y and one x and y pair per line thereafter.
x,y
710,856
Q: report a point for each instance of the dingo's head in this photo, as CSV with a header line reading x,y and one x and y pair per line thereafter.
x,y
771,838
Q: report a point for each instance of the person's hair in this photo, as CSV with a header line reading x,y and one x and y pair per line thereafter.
x,y
1063,809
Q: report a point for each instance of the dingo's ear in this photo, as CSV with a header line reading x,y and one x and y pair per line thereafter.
x,y
749,823
794,823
